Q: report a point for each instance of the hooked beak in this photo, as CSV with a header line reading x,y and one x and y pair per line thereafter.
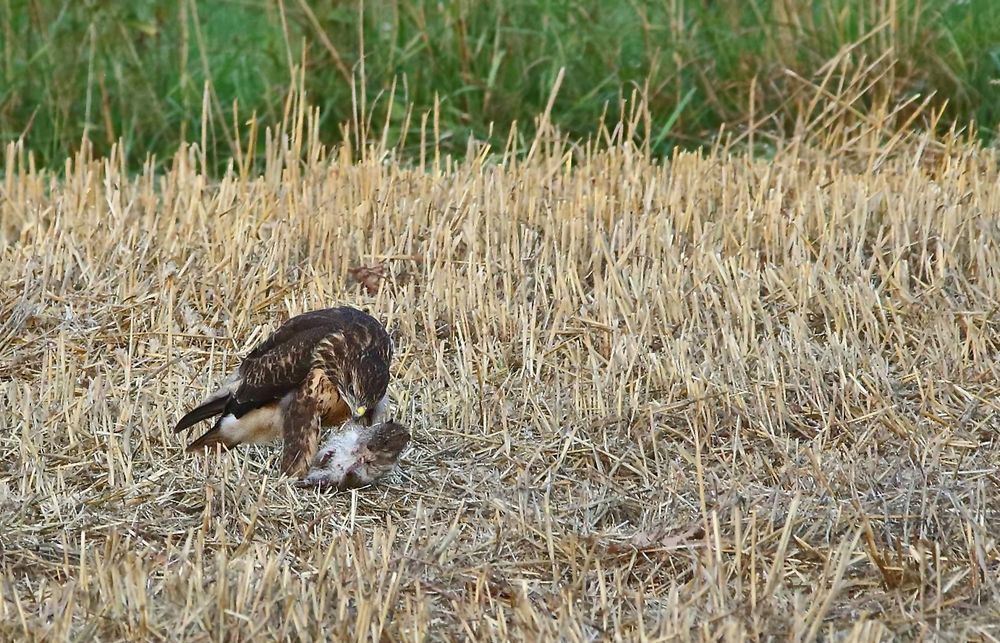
x,y
359,412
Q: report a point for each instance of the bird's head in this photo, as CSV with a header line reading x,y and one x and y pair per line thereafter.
x,y
365,384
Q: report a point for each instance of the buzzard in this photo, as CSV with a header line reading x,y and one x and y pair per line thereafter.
x,y
319,368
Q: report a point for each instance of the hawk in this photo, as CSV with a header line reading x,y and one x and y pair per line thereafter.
x,y
318,369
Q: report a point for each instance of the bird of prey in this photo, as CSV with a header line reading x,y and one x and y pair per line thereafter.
x,y
357,456
318,369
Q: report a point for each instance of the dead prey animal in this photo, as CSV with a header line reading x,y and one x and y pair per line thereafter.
x,y
357,456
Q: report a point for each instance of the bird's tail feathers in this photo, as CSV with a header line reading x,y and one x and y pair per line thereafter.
x,y
210,439
209,408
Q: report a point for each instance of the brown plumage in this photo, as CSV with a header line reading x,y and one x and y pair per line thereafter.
x,y
318,369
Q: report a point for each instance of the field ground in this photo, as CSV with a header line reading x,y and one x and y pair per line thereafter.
x,y
709,398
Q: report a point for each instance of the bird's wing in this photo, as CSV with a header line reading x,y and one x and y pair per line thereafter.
x,y
281,362
305,323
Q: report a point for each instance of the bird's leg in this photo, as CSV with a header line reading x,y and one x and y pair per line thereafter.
x,y
301,432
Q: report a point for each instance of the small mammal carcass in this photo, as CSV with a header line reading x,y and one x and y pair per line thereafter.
x,y
357,456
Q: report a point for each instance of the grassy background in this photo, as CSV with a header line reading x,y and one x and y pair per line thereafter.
x,y
139,70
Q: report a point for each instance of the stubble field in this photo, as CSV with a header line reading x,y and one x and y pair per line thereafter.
x,y
711,397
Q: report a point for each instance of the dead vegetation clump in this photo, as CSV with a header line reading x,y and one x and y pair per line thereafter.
x,y
711,398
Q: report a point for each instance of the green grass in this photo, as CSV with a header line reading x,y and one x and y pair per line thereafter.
x,y
139,71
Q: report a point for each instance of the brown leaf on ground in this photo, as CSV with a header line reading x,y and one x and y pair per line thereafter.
x,y
370,277
659,538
